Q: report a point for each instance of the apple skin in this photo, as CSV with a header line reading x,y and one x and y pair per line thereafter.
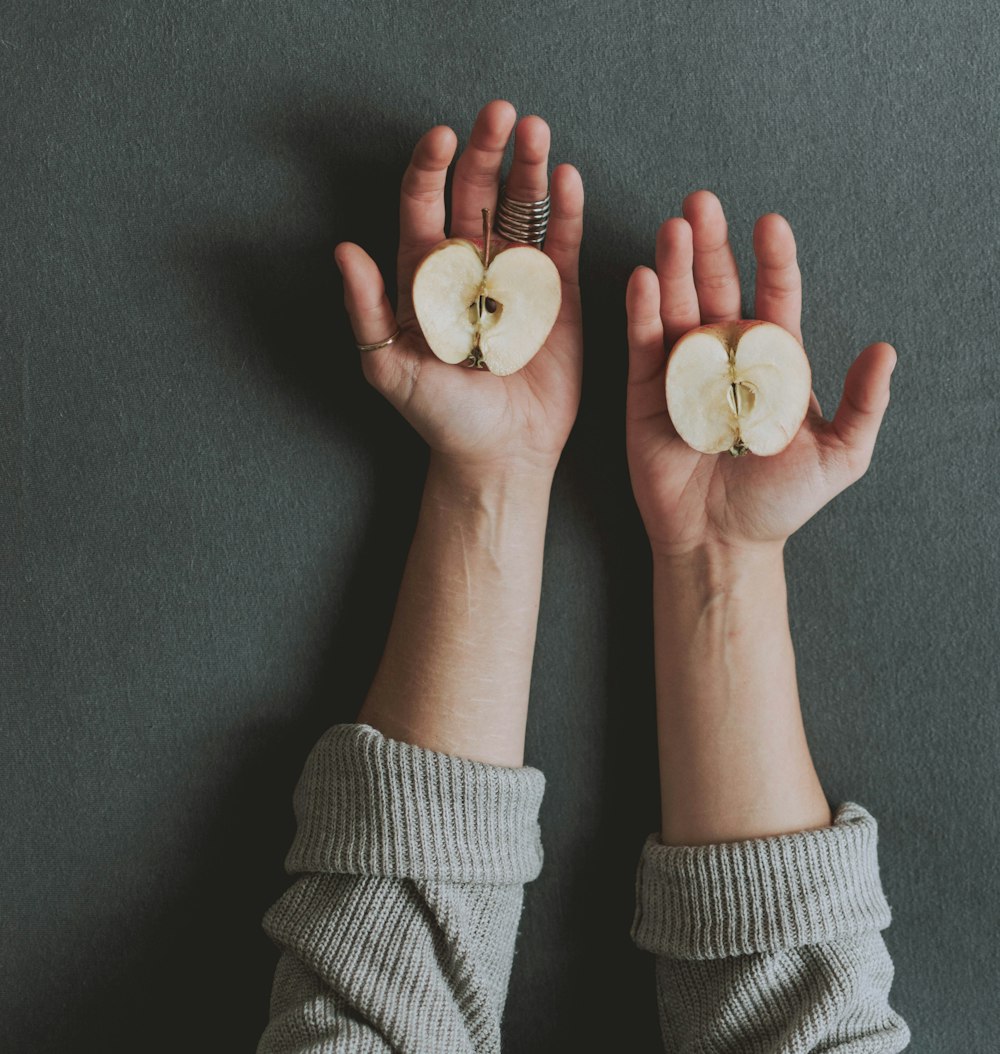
x,y
774,377
538,306
497,246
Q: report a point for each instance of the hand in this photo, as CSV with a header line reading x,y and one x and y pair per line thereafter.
x,y
471,417
690,500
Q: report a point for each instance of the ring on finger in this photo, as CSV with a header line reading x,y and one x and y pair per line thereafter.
x,y
523,221
380,343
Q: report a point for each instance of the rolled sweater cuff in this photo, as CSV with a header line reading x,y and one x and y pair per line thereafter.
x,y
761,894
368,805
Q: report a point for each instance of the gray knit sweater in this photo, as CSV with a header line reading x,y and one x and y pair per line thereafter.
x,y
398,931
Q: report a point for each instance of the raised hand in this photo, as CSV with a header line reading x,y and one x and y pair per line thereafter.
x,y
689,500
470,416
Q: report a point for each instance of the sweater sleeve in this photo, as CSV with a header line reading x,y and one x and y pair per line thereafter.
x,y
398,931
771,945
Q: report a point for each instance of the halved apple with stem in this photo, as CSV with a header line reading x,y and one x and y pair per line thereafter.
x,y
489,305
738,386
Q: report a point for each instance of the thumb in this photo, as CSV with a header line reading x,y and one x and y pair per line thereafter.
x,y
373,321
863,404
368,308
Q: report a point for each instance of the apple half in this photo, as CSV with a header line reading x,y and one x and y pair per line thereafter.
x,y
738,386
490,305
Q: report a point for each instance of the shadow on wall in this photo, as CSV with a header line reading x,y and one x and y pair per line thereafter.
x,y
289,299
213,964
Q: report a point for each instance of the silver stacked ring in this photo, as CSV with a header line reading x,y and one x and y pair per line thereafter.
x,y
523,221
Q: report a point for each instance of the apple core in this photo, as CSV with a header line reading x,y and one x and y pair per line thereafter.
x,y
490,307
741,387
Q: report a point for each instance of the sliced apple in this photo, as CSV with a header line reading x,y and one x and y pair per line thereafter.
x,y
490,306
738,386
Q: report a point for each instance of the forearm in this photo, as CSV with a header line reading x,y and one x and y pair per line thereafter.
x,y
410,852
734,761
456,671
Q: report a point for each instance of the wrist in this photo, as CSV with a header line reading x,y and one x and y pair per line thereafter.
x,y
722,561
498,483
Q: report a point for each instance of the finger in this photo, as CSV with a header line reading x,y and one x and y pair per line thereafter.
x,y
528,179
421,198
716,277
477,171
678,298
863,404
565,230
779,283
646,356
368,308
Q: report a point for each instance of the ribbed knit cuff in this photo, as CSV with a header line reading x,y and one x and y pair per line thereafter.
x,y
762,894
368,805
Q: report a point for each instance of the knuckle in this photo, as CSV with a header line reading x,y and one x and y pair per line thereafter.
x,y
780,290
422,193
369,312
682,306
643,324
720,281
562,244
480,176
703,247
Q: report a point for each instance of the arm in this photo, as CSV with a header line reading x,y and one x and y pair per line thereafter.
x,y
734,762
457,665
417,826
762,905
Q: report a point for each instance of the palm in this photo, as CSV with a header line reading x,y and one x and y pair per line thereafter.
x,y
688,499
466,413
473,413
712,496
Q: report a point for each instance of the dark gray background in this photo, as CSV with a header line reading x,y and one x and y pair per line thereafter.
x,y
209,509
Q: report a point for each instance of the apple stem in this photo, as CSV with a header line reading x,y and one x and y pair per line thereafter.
x,y
486,237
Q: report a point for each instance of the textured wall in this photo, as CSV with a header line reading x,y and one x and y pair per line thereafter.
x,y
209,509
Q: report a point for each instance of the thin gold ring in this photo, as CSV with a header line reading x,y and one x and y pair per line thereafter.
x,y
380,344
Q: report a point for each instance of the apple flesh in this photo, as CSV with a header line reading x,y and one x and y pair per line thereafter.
x,y
488,304
738,386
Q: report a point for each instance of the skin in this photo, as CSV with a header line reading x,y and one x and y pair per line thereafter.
x,y
456,670
734,761
484,422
